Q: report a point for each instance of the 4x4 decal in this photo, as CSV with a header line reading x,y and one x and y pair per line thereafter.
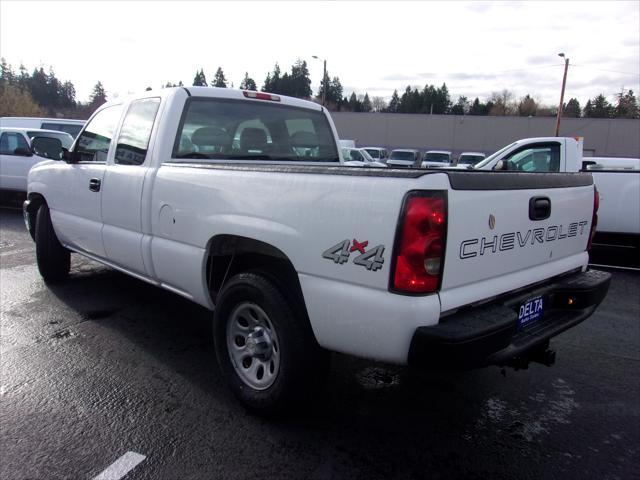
x,y
340,252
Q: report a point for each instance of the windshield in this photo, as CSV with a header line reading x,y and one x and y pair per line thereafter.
x,y
437,157
366,156
399,155
252,130
375,153
65,139
491,157
470,159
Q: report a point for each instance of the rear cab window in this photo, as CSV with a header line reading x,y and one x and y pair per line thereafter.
x,y
224,129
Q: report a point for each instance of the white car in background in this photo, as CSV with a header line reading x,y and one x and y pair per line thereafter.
x,y
359,157
71,126
469,159
18,155
436,158
379,154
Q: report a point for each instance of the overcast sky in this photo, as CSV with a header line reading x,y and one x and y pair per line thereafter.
x,y
475,47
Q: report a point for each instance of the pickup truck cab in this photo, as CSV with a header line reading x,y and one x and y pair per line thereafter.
x,y
436,158
617,181
17,154
404,158
470,158
239,201
379,154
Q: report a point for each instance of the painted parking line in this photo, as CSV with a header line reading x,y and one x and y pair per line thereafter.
x,y
121,466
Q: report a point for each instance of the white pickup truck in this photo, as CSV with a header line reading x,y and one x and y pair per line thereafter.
x,y
240,202
617,181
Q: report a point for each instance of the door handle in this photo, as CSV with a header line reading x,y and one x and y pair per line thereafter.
x,y
539,208
94,184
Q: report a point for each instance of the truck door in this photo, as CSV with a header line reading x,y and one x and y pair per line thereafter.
x,y
75,194
123,183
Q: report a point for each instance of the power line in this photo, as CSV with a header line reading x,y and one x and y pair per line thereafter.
x,y
604,70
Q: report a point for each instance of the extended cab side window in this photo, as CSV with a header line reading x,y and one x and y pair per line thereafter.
x,y
93,143
10,141
135,133
535,158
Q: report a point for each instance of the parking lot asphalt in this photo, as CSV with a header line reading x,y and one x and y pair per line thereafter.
x,y
103,364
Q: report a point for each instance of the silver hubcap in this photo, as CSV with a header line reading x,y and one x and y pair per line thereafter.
x,y
253,346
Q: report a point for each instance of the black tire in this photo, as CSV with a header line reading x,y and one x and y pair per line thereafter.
x,y
54,261
303,365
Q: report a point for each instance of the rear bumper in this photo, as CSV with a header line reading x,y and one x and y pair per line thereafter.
x,y
488,335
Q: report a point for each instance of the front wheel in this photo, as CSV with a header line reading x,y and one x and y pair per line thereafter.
x,y
54,261
266,351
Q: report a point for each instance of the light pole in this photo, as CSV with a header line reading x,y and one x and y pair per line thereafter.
x,y
324,79
564,83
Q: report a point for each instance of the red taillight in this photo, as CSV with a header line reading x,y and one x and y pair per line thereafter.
x,y
261,95
594,218
420,244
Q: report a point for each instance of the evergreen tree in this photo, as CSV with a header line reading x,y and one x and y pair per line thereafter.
x,y
366,103
200,80
571,108
300,86
98,95
334,91
599,107
354,104
273,81
248,83
394,103
527,107
442,101
7,76
627,106
588,109
461,107
476,107
24,78
38,86
219,80
68,95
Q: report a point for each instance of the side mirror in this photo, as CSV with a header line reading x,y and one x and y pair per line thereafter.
x,y
501,165
23,152
47,147
70,157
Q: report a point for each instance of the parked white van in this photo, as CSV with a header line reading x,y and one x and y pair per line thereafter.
x,y
67,125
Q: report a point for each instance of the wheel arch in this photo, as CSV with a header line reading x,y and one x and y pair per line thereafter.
x,y
35,201
228,255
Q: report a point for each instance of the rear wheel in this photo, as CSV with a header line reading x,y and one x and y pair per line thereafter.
x,y
266,351
54,261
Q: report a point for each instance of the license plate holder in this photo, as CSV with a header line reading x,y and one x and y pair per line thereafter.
x,y
531,311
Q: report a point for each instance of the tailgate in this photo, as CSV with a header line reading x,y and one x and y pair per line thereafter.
x,y
498,238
